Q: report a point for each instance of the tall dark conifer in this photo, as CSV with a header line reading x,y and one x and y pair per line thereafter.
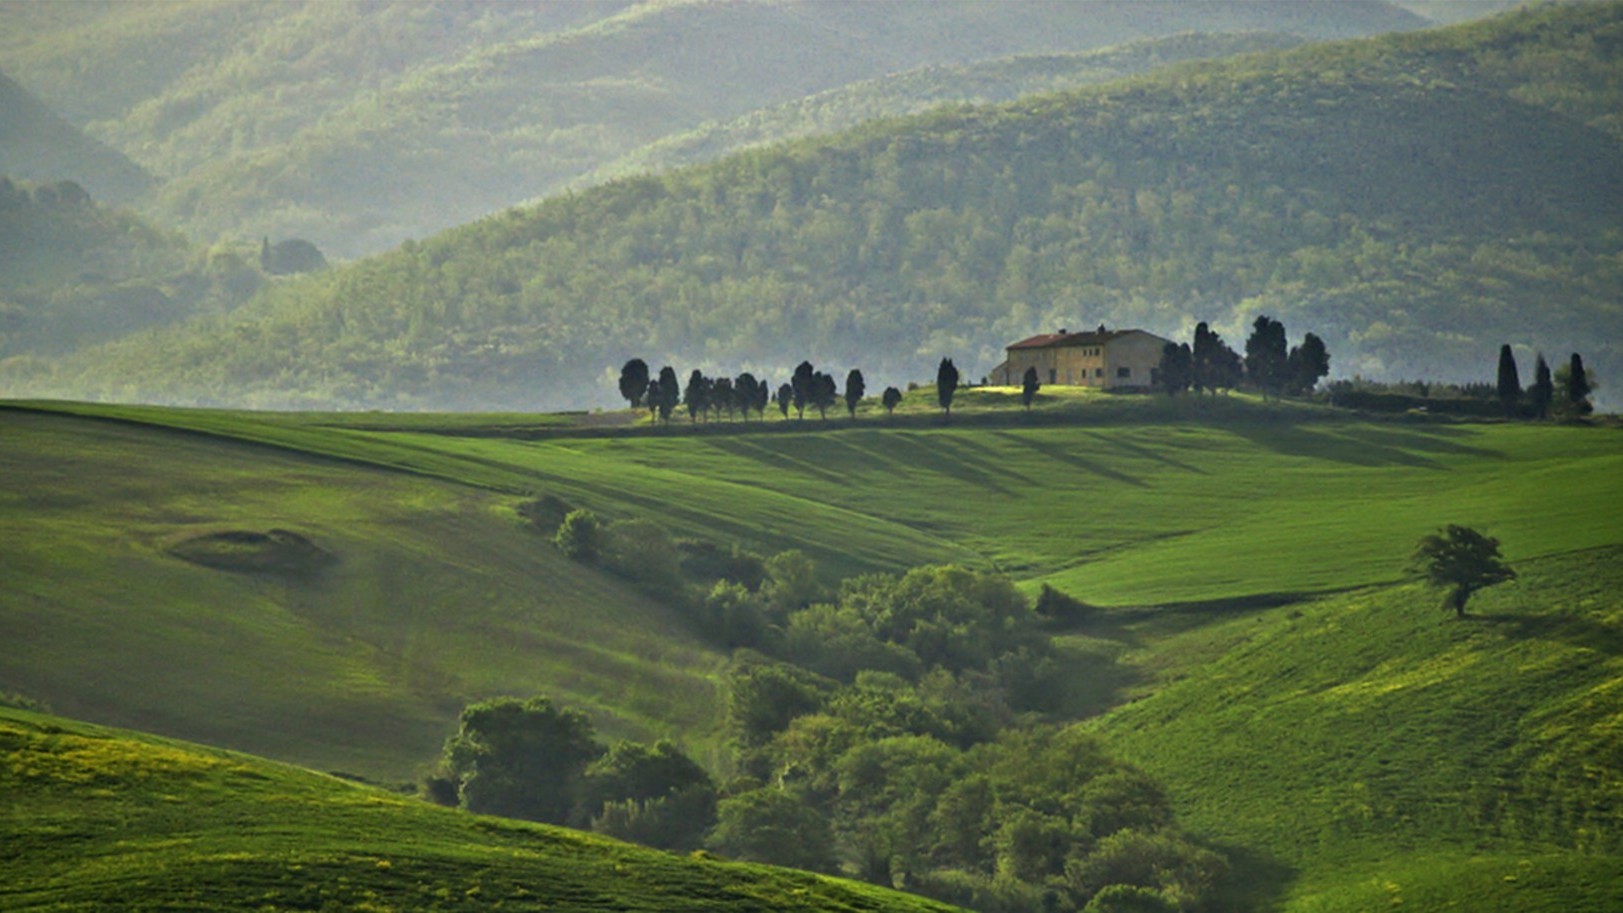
x,y
1578,388
946,384
1510,381
855,389
1542,392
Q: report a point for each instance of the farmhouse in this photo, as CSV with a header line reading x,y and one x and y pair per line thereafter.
x,y
1116,359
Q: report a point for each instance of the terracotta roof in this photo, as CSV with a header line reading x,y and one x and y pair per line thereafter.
x,y
1055,340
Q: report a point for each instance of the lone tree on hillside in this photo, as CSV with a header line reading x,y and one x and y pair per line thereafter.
x,y
855,389
1029,386
1510,381
891,399
634,382
1542,392
1461,561
785,397
946,384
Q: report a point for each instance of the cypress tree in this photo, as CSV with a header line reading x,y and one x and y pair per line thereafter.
x,y
946,384
1510,382
1543,390
1578,388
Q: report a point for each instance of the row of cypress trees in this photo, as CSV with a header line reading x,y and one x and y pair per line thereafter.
x,y
1564,395
710,398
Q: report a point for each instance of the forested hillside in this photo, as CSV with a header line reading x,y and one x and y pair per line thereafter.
x,y
1411,199
360,125
989,82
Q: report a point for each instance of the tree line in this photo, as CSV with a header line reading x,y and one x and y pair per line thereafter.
x,y
1268,367
1565,394
711,398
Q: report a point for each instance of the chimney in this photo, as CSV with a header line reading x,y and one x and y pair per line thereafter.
x,y
1101,329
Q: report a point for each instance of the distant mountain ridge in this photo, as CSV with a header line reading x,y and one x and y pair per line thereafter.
x,y
1365,191
360,126
37,145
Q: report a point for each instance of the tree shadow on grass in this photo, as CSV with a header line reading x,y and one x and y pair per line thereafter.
x,y
1320,443
1062,455
1573,630
770,453
1257,880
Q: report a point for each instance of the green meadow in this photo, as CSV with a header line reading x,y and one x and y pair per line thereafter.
x,y
1255,645
97,818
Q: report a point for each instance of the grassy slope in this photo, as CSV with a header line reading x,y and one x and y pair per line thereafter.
x,y
440,595
1349,749
96,817
1138,502
1382,753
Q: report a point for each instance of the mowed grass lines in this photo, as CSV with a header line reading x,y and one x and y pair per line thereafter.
x,y
438,595
1136,500
1374,751
1122,514
98,819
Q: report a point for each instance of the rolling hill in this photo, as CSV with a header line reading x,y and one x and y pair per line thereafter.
x,y
360,126
103,818
1363,191
1252,643
433,566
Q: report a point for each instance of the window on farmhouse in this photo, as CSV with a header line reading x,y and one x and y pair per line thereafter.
x,y
1124,372
1051,375
1098,372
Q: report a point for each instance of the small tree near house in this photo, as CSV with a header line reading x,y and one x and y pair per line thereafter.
x,y
1029,385
891,399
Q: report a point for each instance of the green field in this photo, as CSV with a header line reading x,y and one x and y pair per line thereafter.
x,y
1314,716
97,818
1376,751
439,595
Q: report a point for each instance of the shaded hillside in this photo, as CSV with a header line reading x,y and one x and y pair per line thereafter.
x,y
360,126
1364,191
74,273
917,90
36,145
101,818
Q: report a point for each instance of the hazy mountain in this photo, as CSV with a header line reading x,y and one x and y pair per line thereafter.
x,y
37,145
75,273
1415,200
913,91
360,125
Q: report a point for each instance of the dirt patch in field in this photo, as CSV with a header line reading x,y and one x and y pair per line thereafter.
x,y
278,551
